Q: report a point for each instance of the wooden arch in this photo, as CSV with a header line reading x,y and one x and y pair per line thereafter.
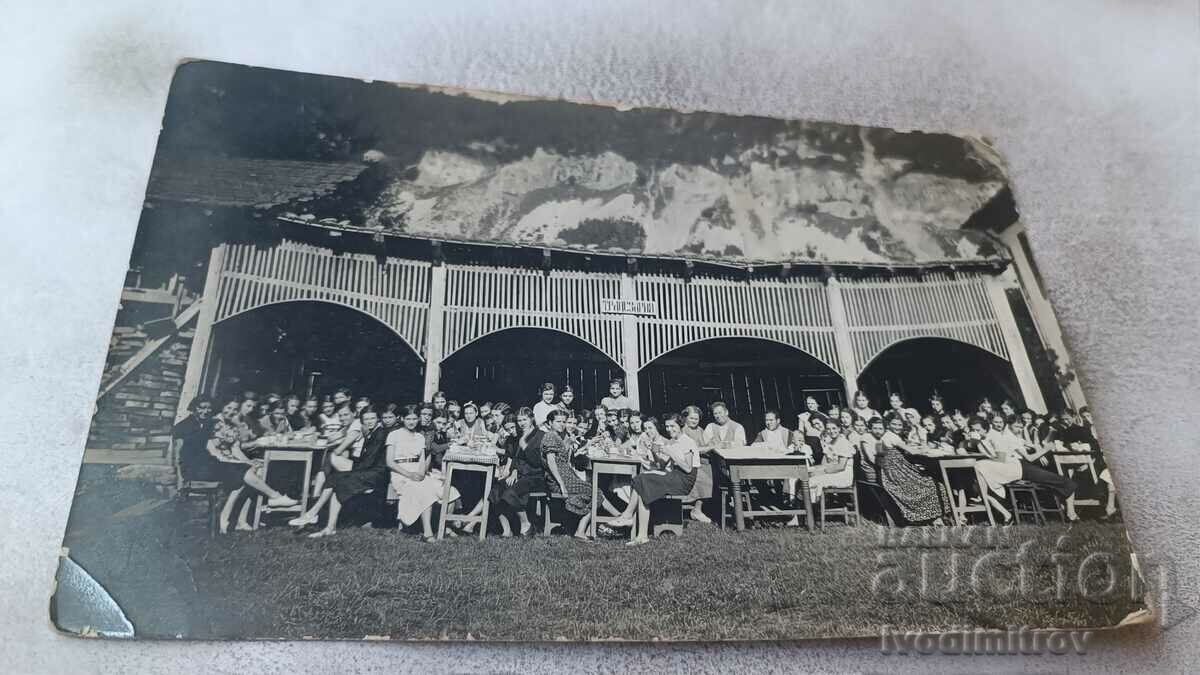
x,y
395,292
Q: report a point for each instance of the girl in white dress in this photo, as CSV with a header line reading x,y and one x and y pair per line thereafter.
x,y
417,490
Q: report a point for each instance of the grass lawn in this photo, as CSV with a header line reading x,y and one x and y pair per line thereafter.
x,y
763,584
768,583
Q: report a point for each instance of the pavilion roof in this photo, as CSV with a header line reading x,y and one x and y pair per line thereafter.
x,y
246,182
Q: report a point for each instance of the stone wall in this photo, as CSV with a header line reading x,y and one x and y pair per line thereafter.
x,y
139,413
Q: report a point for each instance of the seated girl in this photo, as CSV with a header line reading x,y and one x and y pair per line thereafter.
x,y
361,473
417,488
526,474
506,505
919,497
231,467
346,438
837,471
559,469
679,456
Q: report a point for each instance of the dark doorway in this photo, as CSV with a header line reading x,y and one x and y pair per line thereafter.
x,y
511,366
312,348
750,376
963,374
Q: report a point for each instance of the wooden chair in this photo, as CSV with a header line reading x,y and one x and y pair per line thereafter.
x,y
848,510
881,499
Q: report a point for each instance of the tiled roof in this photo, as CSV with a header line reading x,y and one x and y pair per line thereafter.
x,y
242,182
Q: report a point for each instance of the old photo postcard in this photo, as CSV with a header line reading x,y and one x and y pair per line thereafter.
x,y
404,362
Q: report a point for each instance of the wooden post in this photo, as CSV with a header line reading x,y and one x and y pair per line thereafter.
x,y
435,330
193,377
629,342
1017,356
848,365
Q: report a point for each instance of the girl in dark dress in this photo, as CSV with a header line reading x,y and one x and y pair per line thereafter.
x,y
526,473
361,473
680,456
507,436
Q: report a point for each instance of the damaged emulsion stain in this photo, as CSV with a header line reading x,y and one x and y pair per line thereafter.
x,y
82,607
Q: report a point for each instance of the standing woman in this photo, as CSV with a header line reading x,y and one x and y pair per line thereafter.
x,y
543,407
862,408
558,467
919,497
566,399
417,489
680,457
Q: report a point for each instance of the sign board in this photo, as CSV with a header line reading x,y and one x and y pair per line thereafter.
x,y
618,306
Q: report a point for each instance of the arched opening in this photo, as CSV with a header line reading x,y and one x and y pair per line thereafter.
x,y
750,375
511,365
963,374
311,349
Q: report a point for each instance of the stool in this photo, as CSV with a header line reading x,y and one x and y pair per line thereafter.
x,y
207,490
881,499
671,505
1019,489
847,511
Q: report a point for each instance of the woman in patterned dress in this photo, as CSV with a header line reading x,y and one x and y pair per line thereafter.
x,y
919,497
557,456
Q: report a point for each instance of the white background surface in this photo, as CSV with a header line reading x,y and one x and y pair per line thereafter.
x,y
1095,105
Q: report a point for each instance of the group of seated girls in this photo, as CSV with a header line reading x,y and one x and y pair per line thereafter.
x,y
894,450
397,451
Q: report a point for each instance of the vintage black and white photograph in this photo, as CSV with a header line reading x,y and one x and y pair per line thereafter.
x,y
406,362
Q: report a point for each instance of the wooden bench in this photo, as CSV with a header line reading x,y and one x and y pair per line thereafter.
x,y
670,507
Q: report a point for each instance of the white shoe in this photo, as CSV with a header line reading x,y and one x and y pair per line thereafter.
x,y
281,501
699,517
301,521
794,522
